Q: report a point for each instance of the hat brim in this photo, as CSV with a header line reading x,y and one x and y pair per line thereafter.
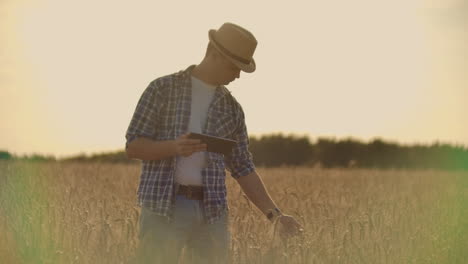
x,y
248,68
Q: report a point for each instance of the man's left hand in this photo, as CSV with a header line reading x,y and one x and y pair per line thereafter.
x,y
289,226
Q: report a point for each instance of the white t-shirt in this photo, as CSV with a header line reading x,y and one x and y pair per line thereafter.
x,y
188,169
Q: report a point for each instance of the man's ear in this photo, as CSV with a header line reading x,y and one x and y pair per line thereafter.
x,y
216,55
213,56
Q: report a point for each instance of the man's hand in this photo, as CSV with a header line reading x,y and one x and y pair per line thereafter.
x,y
185,147
289,227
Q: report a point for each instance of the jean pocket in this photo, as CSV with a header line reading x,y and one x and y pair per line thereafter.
x,y
150,221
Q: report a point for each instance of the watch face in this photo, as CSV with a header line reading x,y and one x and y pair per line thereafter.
x,y
270,215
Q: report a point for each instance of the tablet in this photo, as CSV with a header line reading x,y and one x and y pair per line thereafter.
x,y
215,144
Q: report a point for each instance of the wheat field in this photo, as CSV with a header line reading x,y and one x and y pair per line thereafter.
x,y
86,213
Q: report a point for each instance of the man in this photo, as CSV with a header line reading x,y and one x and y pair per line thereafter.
x,y
182,187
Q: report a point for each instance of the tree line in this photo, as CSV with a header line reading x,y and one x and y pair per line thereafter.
x,y
291,150
277,150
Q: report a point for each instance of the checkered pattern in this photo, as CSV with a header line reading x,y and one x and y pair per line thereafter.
x,y
163,113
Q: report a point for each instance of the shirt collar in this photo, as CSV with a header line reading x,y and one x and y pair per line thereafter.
x,y
187,73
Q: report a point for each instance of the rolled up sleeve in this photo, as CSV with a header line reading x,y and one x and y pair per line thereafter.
x,y
240,162
143,122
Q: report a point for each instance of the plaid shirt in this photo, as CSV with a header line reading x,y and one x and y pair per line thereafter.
x,y
163,113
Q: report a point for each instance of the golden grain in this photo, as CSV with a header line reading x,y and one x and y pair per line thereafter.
x,y
86,213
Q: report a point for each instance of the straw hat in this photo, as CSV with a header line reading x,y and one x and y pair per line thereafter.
x,y
236,44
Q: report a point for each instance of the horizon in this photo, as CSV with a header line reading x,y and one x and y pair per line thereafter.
x,y
312,140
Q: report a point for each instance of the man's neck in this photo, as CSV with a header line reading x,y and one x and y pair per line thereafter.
x,y
202,73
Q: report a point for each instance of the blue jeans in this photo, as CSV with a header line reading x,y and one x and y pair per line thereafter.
x,y
162,241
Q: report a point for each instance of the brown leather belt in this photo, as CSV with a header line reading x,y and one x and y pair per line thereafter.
x,y
191,192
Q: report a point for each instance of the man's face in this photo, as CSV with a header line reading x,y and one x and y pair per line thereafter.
x,y
227,71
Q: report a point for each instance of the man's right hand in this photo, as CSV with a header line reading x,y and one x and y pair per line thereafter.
x,y
185,146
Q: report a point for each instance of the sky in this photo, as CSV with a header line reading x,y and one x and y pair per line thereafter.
x,y
71,72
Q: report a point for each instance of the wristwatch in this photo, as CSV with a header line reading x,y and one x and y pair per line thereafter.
x,y
273,214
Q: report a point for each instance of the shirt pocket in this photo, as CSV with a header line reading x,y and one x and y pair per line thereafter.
x,y
225,124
